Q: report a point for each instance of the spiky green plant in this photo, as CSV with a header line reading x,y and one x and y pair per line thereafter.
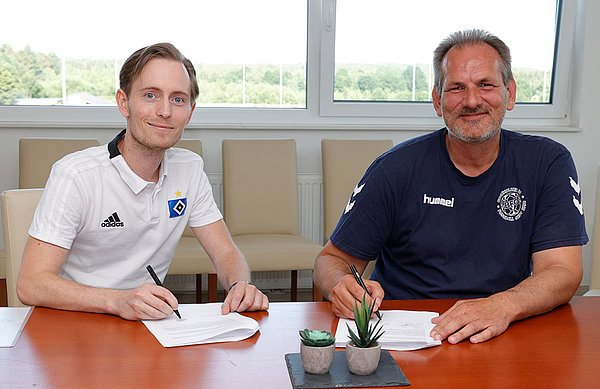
x,y
367,334
316,338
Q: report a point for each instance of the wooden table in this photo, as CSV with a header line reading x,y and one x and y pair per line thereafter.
x,y
60,349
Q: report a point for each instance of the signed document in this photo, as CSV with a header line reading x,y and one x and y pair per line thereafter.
x,y
404,330
199,324
12,322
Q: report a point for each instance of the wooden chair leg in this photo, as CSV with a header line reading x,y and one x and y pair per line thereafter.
x,y
212,288
3,293
198,288
294,288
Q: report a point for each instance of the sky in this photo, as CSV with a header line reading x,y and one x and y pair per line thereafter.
x,y
205,31
366,32
273,31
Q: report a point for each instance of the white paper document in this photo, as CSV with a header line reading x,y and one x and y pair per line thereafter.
x,y
404,330
199,324
12,322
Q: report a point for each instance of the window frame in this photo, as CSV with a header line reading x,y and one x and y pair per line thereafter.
x,y
321,111
549,114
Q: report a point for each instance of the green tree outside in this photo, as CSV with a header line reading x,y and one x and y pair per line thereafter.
x,y
26,74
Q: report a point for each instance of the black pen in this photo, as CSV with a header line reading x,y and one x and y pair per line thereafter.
x,y
358,279
157,281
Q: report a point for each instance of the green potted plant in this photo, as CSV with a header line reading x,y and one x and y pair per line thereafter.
x,y
317,349
363,350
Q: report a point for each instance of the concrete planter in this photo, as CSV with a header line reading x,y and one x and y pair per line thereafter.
x,y
317,360
362,361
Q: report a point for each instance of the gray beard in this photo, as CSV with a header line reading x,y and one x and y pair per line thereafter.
x,y
459,135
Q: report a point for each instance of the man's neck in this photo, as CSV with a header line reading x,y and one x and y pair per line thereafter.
x,y
143,161
473,159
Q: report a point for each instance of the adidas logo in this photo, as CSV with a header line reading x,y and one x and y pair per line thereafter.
x,y
112,221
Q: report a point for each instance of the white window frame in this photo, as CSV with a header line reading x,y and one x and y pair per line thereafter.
x,y
321,111
554,114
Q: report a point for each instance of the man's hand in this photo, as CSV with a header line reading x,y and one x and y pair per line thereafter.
x,y
244,297
556,275
477,319
148,301
348,292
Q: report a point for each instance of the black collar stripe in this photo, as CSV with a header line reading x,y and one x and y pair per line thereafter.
x,y
113,150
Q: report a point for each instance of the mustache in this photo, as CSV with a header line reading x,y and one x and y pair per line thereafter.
x,y
471,111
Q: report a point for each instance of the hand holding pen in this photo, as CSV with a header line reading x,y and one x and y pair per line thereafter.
x,y
360,282
157,281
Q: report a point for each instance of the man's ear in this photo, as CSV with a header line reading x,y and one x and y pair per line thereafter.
x,y
122,100
512,94
437,102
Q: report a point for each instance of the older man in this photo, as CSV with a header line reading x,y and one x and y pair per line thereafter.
x,y
471,211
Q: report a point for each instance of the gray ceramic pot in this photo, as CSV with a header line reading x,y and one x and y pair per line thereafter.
x,y
362,361
317,360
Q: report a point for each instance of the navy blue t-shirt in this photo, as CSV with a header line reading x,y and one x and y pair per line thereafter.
x,y
437,233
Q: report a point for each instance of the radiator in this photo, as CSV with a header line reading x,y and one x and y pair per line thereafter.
x,y
310,201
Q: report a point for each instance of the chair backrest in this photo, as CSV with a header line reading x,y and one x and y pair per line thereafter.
x,y
194,145
344,163
37,155
595,277
260,186
18,207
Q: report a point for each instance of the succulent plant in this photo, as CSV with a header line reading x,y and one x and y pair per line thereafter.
x,y
316,338
367,334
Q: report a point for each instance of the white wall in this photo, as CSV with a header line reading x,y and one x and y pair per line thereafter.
x,y
584,144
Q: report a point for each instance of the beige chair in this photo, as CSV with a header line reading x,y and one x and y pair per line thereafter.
x,y
18,207
260,194
595,277
190,257
37,155
344,163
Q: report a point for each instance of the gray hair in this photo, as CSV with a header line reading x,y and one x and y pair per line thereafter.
x,y
470,38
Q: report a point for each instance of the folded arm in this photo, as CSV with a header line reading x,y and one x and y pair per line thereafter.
x,y
333,277
556,276
39,284
231,267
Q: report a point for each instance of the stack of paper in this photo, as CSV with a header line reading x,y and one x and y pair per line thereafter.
x,y
404,330
199,324
12,322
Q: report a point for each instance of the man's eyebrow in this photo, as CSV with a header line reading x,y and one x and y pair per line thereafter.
x,y
453,83
176,92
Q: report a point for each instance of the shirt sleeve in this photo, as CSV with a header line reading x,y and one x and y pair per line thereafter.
x,y
204,209
559,219
58,215
367,220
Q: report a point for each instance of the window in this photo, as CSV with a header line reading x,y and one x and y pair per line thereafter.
x,y
377,59
277,64
246,54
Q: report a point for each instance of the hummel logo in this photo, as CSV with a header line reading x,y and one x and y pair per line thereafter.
x,y
350,205
574,185
357,189
578,205
112,221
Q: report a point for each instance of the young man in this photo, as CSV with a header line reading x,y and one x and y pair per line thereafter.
x,y
470,211
109,211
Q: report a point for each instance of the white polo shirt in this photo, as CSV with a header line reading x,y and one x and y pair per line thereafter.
x,y
113,222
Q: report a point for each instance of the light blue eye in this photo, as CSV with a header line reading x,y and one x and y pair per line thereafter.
x,y
150,95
